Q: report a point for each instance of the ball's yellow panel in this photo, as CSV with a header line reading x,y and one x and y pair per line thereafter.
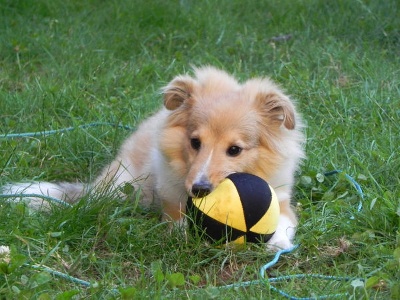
x,y
239,241
223,205
268,223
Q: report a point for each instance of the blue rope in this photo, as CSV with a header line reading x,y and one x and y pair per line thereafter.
x,y
62,275
355,184
235,285
276,258
303,276
268,281
265,267
50,132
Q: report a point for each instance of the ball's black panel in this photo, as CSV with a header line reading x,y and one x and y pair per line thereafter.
x,y
214,230
255,196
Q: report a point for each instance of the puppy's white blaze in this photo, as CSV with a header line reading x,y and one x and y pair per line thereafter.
x,y
202,174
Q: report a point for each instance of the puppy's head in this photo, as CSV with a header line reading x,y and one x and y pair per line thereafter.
x,y
217,127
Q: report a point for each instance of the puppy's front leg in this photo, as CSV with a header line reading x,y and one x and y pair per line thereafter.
x,y
173,212
284,234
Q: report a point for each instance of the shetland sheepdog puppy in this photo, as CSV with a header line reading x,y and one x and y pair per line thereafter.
x,y
210,126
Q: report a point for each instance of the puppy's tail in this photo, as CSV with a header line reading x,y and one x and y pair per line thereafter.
x,y
65,192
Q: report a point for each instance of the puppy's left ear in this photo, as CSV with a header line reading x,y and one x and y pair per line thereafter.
x,y
178,91
277,108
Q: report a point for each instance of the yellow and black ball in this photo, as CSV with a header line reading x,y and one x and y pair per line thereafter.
x,y
242,208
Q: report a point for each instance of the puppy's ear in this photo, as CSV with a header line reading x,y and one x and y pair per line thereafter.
x,y
178,91
277,108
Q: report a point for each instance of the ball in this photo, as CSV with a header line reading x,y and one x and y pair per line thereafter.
x,y
242,208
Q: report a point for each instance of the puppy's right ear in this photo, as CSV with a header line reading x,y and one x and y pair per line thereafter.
x,y
178,91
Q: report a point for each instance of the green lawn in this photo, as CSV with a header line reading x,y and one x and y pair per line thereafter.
x,y
68,63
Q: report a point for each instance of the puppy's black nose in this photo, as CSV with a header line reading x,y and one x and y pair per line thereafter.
x,y
201,189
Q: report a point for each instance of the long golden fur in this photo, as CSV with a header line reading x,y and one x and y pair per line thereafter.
x,y
210,126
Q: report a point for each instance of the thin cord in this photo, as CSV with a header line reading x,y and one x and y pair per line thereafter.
x,y
235,285
50,132
355,184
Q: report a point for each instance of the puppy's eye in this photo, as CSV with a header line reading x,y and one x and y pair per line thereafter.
x,y
234,151
195,143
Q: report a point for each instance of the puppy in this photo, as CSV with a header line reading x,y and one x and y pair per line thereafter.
x,y
210,126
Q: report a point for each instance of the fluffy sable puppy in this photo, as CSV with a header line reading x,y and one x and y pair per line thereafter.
x,y
210,126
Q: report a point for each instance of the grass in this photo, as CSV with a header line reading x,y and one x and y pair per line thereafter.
x,y
67,63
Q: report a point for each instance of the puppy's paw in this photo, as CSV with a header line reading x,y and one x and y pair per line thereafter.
x,y
180,225
284,234
277,243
